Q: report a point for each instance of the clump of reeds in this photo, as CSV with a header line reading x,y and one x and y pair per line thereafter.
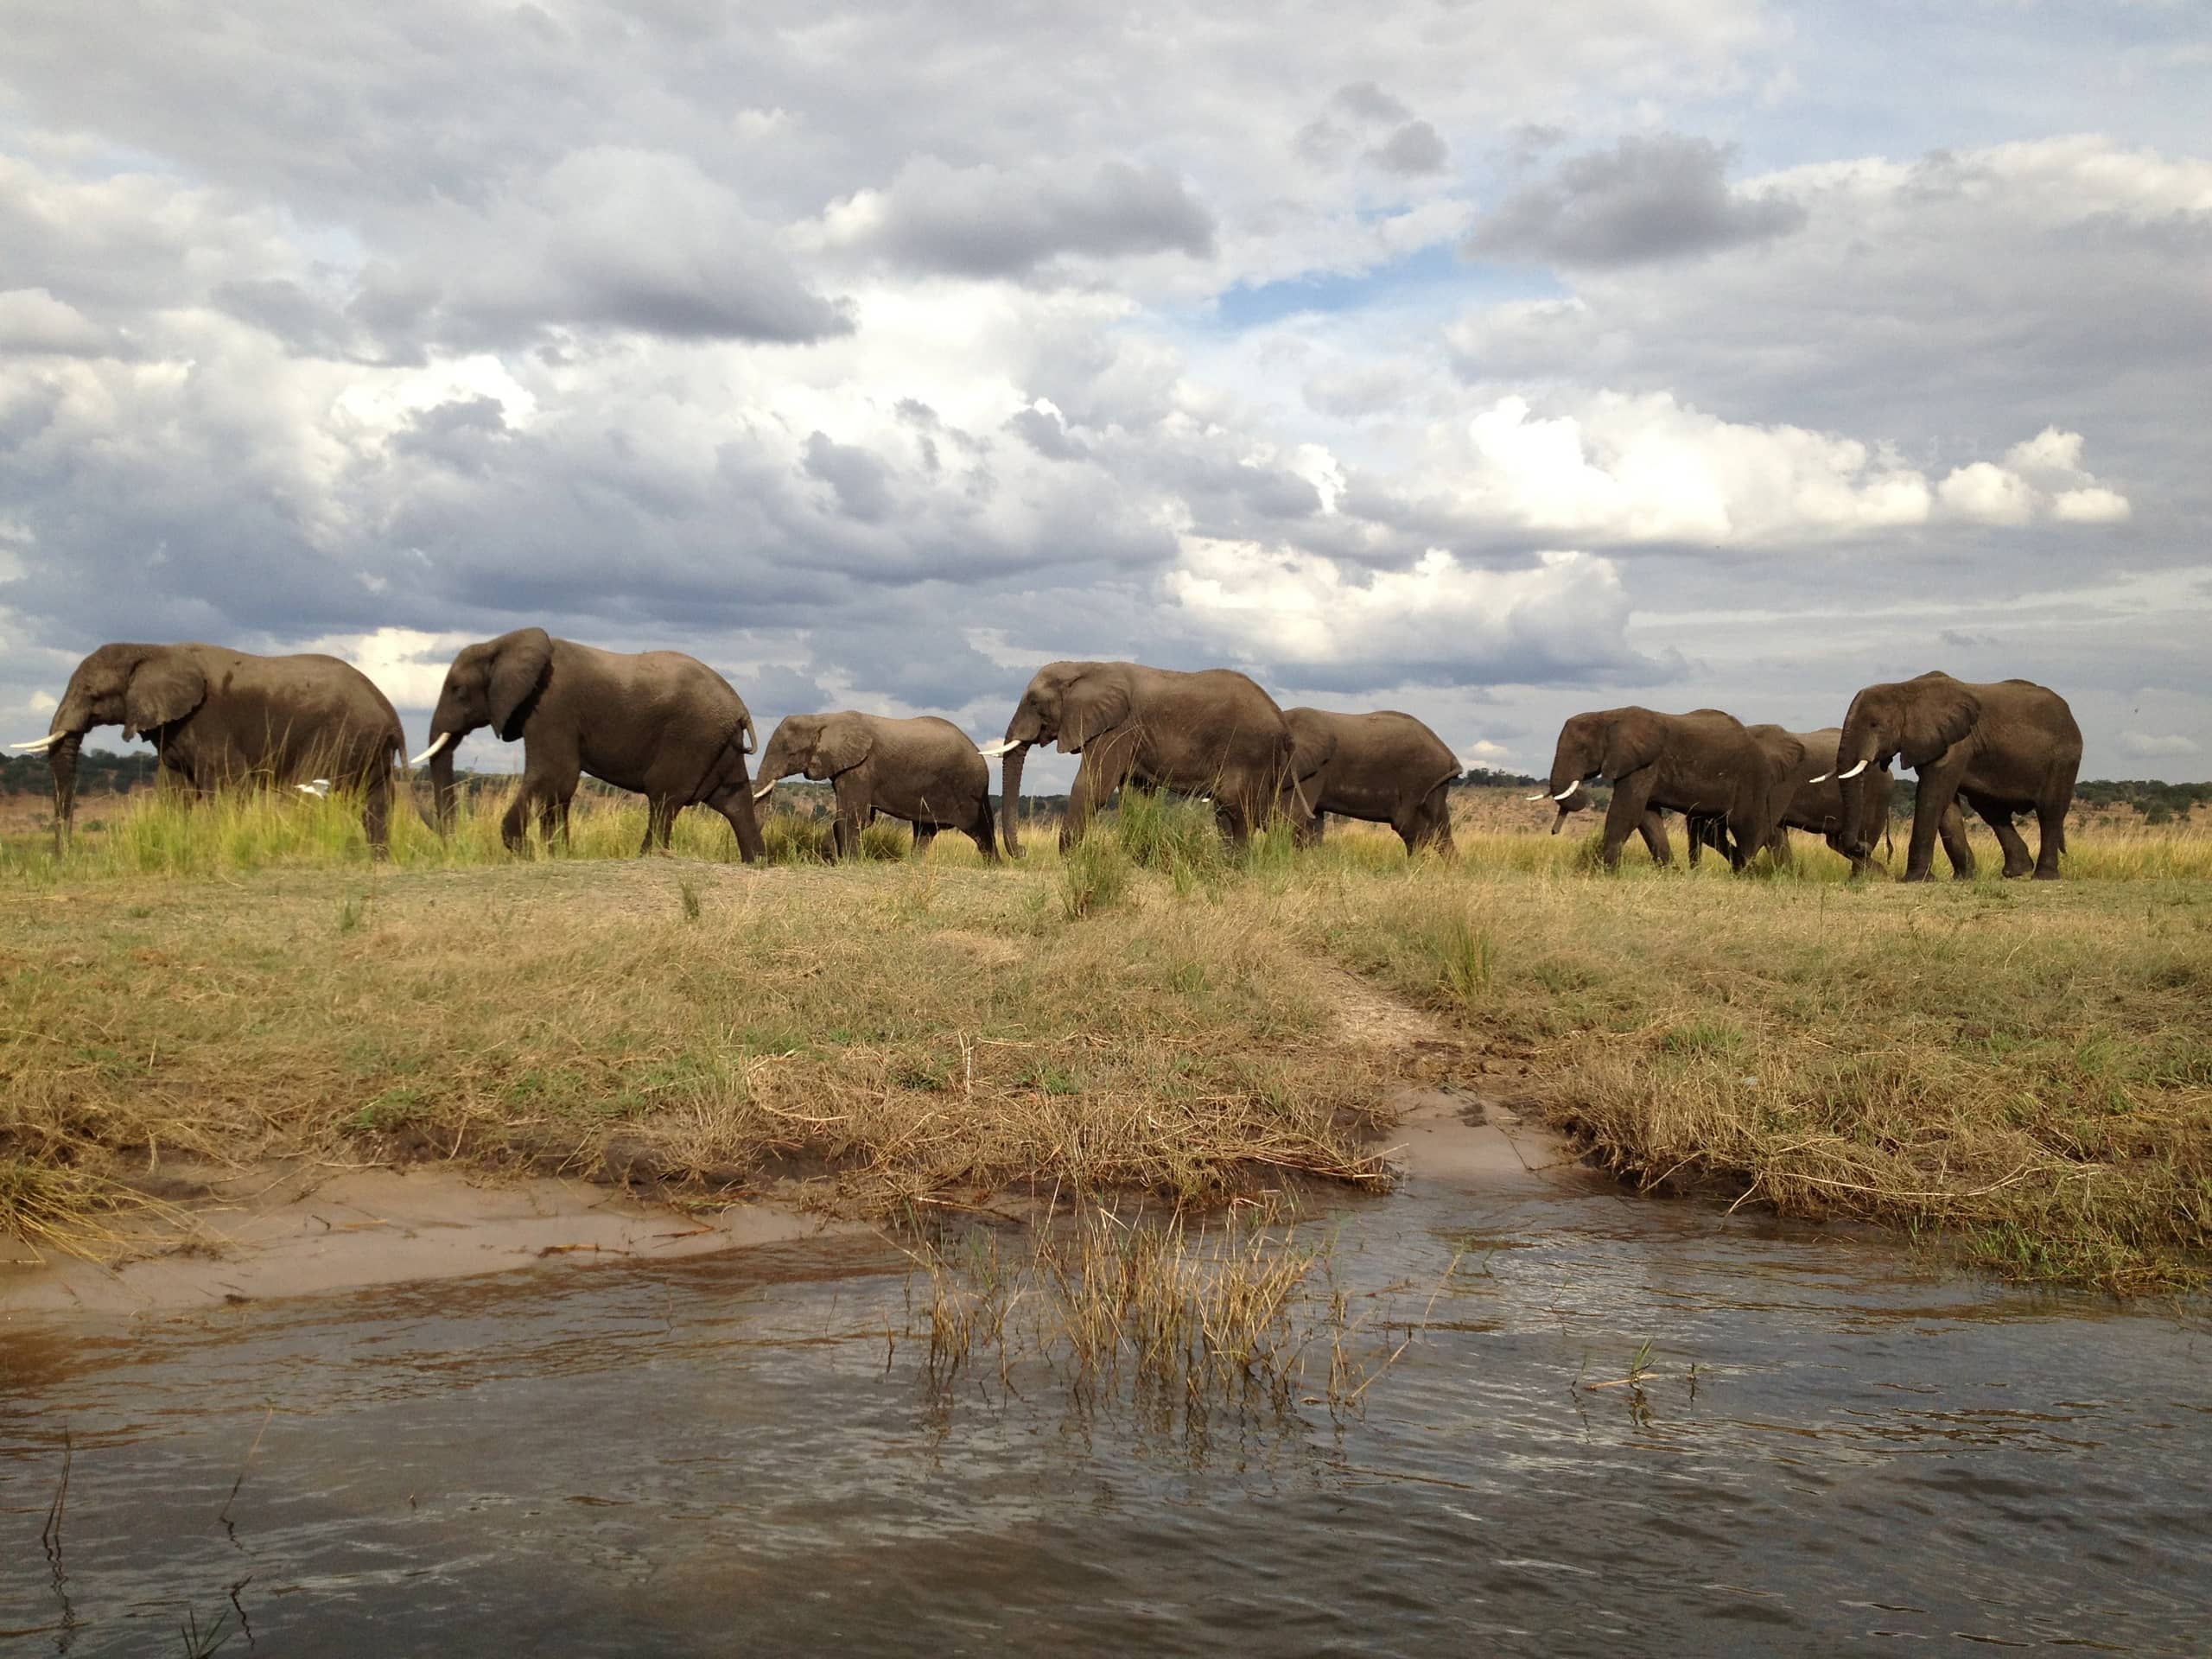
x,y
1176,1320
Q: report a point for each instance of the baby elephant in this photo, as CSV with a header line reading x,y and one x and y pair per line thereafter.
x,y
926,770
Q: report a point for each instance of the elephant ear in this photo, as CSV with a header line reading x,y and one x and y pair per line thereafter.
x,y
843,746
1936,715
519,668
1092,704
1785,755
1312,743
163,687
1633,741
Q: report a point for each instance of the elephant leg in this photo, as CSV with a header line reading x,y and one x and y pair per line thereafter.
x,y
1308,829
514,832
735,803
1998,816
1085,795
1234,819
1952,827
1632,797
660,819
2050,838
1651,830
1697,831
376,813
854,813
983,828
1934,798
923,834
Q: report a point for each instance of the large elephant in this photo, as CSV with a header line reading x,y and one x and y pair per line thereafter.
x,y
656,721
218,717
924,771
1385,767
1815,801
1704,762
1214,733
2008,747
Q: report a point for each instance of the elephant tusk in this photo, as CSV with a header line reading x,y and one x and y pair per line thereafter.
x,y
764,790
444,737
996,749
38,743
1822,779
1568,791
1853,772
1539,796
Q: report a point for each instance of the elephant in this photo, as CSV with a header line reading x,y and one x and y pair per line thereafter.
x,y
1385,767
1651,827
218,717
656,721
1212,732
2009,747
926,770
1703,762
1816,804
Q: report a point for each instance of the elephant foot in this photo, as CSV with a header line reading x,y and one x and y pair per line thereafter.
x,y
1923,875
2015,875
2047,875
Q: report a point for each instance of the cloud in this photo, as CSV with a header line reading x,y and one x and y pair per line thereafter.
x,y
2041,477
1644,200
34,323
2159,745
984,221
1312,620
1413,148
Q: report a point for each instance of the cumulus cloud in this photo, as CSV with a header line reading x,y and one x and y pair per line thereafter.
x,y
35,324
2041,477
1312,620
989,221
1664,197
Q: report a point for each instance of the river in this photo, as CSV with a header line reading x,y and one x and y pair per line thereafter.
x,y
1832,1445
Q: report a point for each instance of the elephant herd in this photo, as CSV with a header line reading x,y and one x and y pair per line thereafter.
x,y
669,728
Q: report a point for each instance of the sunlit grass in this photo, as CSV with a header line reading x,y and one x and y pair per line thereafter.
x,y
2020,1066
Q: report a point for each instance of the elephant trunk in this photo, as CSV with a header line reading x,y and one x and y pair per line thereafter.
x,y
62,757
1855,754
1010,813
441,788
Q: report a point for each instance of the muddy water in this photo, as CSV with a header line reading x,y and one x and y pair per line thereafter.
x,y
727,1453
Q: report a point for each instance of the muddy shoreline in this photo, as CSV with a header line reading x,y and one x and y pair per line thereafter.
x,y
228,1237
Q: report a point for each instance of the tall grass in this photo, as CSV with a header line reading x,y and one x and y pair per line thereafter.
x,y
2018,1065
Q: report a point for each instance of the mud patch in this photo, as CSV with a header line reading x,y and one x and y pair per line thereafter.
x,y
313,1230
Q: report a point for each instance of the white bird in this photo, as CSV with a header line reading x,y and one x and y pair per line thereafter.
x,y
320,788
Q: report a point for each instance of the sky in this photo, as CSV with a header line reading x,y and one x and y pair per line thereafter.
x,y
1492,361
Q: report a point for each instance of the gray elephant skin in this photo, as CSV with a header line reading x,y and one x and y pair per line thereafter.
x,y
1212,732
1385,767
2005,748
217,716
924,771
1704,763
658,723
1817,805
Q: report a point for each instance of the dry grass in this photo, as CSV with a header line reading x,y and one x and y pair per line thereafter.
x,y
1176,1320
2023,1068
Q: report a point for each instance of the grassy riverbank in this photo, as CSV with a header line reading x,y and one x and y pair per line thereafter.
x,y
2025,1069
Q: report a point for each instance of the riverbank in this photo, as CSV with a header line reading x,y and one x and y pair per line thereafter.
x,y
2023,1070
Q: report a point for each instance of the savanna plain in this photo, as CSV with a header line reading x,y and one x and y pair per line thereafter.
x,y
2016,1074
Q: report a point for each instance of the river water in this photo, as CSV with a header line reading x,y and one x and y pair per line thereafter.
x,y
742,1452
